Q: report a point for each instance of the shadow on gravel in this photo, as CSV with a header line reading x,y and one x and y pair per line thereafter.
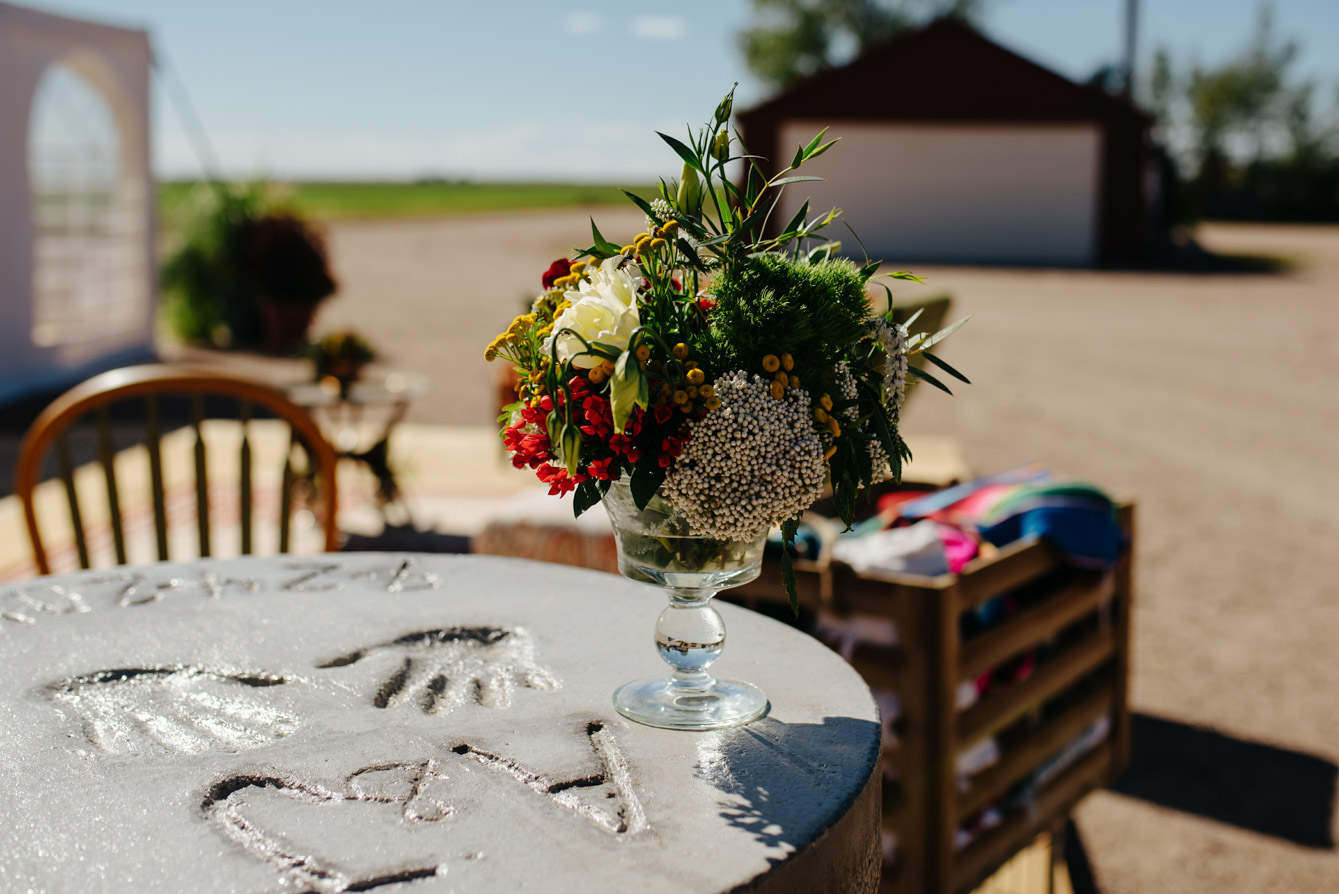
x,y
1273,791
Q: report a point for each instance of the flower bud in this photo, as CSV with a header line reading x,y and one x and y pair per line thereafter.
x,y
723,110
571,448
690,189
627,389
721,148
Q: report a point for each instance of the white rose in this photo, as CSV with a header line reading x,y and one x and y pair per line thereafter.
x,y
614,278
596,318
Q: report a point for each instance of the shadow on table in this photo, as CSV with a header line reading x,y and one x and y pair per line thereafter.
x,y
786,782
1273,791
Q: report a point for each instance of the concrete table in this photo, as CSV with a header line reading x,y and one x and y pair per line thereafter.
x,y
408,723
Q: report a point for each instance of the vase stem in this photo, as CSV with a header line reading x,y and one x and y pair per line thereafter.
x,y
654,547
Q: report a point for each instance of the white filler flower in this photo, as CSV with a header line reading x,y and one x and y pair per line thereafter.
x,y
751,463
603,309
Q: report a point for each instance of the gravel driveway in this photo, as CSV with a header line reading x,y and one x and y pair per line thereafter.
x,y
1212,400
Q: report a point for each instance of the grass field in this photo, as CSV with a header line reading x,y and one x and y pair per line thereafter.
x,y
344,200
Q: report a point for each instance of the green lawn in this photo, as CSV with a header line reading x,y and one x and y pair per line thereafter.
x,y
341,200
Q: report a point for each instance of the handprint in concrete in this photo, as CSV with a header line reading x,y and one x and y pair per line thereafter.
x,y
180,709
440,670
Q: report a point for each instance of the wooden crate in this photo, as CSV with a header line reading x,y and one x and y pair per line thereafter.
x,y
1075,624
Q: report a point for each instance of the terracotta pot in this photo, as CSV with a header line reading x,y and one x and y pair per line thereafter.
x,y
286,325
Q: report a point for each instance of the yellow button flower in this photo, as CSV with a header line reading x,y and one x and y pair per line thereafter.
x,y
696,377
771,363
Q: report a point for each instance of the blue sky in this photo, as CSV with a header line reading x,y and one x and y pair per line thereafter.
x,y
512,89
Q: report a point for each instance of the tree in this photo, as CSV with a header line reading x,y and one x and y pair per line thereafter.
x,y
792,39
1255,139
1239,109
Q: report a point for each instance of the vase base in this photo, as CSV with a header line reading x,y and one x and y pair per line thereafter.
x,y
656,701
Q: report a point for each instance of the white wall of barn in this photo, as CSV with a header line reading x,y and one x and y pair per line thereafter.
x,y
968,193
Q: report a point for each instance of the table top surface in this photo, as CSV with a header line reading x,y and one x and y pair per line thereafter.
x,y
372,389
438,723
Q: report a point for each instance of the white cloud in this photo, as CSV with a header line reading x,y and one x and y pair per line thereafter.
x,y
582,23
658,27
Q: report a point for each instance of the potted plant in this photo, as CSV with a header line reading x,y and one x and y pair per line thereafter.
x,y
283,259
341,356
248,273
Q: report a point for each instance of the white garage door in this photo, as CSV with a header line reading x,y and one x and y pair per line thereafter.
x,y
969,193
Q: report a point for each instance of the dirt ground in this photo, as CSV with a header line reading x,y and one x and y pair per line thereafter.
x,y
1211,400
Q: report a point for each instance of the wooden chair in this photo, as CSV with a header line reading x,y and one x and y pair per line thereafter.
x,y
205,395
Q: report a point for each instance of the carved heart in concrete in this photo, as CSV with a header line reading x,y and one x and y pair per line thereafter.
x,y
390,823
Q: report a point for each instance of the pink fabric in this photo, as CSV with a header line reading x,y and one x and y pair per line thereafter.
x,y
959,547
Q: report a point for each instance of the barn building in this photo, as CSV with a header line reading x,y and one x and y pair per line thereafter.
x,y
957,150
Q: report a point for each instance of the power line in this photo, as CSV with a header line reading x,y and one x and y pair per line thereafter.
x,y
190,118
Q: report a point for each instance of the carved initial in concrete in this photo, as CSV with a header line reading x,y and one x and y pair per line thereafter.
x,y
365,818
439,670
184,710
605,797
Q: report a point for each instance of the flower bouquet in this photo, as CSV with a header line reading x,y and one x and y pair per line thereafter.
x,y
707,380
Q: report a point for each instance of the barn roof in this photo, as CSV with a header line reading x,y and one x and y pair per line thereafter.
x,y
945,71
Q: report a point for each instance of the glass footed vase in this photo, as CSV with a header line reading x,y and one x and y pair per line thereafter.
x,y
654,547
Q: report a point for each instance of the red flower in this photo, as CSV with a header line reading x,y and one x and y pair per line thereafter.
x,y
663,413
557,270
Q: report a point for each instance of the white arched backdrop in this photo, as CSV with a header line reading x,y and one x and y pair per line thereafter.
x,y
78,276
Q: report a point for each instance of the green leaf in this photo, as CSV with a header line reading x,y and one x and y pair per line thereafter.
x,y
754,186
798,219
585,496
904,274
870,268
796,179
688,155
642,204
821,149
812,148
945,367
915,315
922,374
690,256
789,528
798,159
754,219
646,479
944,333
823,252
602,248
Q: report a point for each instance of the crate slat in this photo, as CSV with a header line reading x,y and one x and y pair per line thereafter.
x,y
1024,757
1034,625
980,858
996,711
1012,566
